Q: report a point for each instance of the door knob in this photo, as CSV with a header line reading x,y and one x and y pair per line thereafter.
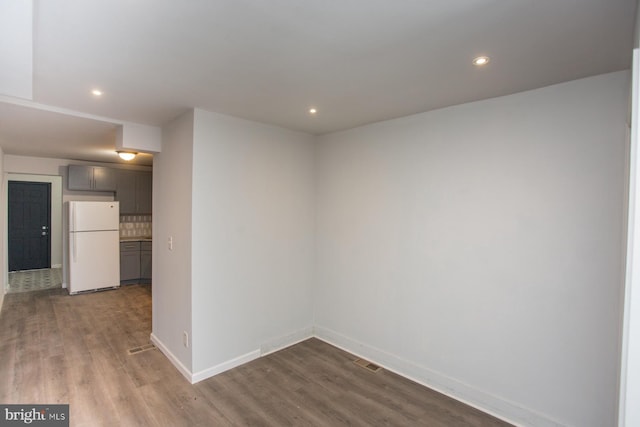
x,y
44,227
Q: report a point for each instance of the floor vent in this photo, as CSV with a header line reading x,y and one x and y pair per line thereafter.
x,y
367,365
136,350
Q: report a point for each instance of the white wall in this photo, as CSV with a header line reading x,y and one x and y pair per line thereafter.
x,y
629,412
16,49
253,228
172,199
478,248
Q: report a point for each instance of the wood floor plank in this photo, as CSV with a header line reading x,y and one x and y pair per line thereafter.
x,y
60,349
56,388
221,394
88,397
8,386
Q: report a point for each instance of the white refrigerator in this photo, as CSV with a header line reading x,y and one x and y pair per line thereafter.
x,y
94,246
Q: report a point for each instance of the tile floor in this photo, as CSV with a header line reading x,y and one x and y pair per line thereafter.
x,y
35,280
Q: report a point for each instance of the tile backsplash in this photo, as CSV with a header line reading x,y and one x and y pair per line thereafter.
x,y
135,225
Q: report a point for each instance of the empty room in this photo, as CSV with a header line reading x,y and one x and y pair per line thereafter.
x,y
227,212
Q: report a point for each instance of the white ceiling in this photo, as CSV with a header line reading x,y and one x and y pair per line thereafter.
x,y
356,61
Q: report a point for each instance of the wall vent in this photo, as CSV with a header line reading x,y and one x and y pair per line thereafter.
x,y
367,365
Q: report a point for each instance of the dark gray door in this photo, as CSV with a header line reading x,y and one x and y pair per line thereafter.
x,y
29,225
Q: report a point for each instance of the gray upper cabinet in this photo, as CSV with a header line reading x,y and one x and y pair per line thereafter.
x,y
126,191
144,191
133,188
91,178
133,191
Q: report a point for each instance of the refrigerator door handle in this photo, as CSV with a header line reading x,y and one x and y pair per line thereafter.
x,y
73,230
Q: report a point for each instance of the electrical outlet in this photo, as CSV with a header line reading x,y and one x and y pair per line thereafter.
x,y
185,339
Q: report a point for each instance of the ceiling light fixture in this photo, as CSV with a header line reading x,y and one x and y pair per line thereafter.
x,y
126,155
481,60
312,110
96,92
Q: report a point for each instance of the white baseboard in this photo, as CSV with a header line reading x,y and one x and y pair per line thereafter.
x,y
485,402
266,348
173,359
224,366
205,373
285,341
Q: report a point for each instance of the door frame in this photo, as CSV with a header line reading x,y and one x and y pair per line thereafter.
x,y
44,261
56,217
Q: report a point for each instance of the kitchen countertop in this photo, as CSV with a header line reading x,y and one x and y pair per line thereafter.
x,y
135,239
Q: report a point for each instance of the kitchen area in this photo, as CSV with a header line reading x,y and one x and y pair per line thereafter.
x,y
132,189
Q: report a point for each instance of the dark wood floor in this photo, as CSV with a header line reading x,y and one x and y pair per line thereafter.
x,y
60,349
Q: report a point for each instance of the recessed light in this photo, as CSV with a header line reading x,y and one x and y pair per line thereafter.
x,y
96,92
481,60
312,110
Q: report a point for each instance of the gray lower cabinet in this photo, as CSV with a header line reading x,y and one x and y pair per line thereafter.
x,y
135,262
129,262
145,262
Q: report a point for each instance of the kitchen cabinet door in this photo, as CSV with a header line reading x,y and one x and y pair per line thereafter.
x,y
90,178
133,191
129,261
144,184
103,179
126,191
145,266
80,178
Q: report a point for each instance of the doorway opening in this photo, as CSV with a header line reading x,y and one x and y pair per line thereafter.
x,y
34,232
29,225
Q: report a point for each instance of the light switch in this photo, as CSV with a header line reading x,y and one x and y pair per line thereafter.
x,y
170,243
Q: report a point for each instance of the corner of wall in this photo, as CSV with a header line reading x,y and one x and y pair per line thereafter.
x,y
465,393
186,372
268,347
172,302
